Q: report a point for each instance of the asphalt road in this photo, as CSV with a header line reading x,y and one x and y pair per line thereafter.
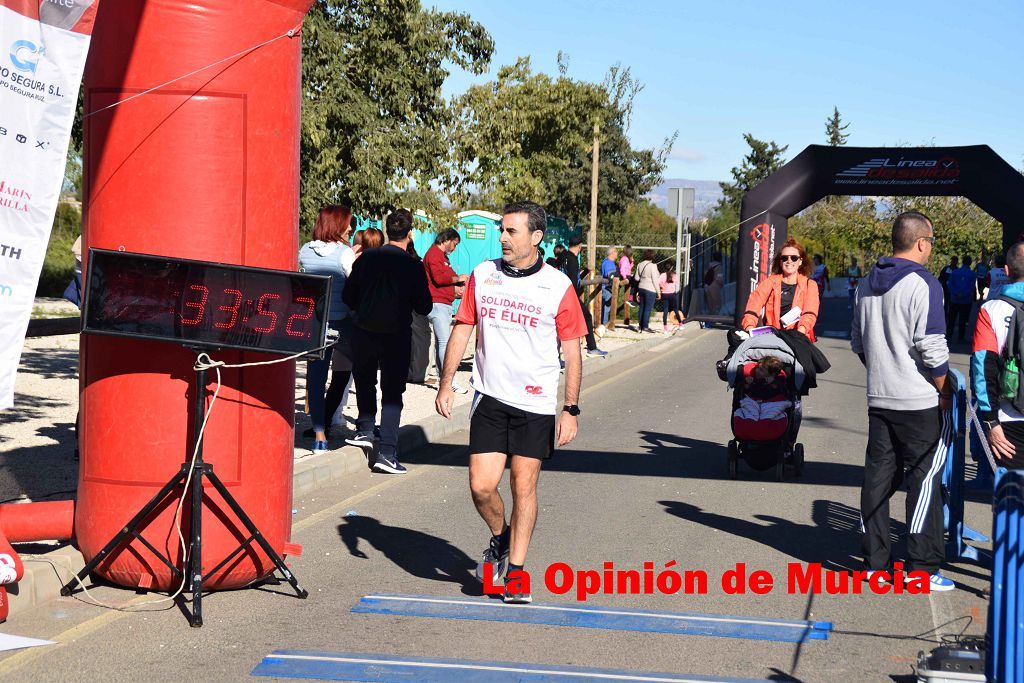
x,y
645,481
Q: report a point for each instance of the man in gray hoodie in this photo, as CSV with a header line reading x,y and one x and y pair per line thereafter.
x,y
899,333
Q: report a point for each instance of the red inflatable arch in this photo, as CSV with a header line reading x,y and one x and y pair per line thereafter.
x,y
205,167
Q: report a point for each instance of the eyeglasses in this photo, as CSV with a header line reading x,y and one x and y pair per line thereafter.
x,y
931,240
789,257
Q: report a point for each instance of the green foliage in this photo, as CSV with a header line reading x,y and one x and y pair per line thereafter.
x,y
763,159
862,227
641,224
374,122
59,264
529,136
834,128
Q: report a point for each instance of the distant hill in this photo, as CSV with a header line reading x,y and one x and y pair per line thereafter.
x,y
706,196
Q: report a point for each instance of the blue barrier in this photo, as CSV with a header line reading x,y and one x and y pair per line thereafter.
x,y
953,485
983,478
1005,637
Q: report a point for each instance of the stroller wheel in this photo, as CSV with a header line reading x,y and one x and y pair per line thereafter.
x,y
733,460
780,466
798,459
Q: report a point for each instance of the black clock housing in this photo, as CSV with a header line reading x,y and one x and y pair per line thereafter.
x,y
205,305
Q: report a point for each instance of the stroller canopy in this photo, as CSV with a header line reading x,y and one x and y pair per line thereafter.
x,y
758,347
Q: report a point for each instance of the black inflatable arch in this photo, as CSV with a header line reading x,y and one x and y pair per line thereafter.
x,y
975,172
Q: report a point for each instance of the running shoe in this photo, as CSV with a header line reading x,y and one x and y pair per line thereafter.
x,y
518,597
886,577
388,465
497,556
459,389
319,447
596,353
361,440
940,583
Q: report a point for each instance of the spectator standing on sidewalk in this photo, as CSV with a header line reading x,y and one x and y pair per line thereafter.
x,y
647,276
670,293
444,283
629,285
853,276
609,271
519,307
419,358
571,268
898,332
999,321
328,253
385,288
714,281
341,381
963,290
944,275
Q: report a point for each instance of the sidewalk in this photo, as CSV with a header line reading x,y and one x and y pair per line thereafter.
x,y
37,440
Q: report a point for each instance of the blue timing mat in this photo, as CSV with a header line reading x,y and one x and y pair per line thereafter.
x,y
585,616
349,666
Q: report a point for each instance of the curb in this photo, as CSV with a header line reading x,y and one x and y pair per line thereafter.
x,y
46,573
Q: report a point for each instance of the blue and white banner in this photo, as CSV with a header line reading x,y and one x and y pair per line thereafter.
x,y
43,45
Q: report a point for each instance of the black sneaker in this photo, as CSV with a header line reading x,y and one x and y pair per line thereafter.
x,y
388,465
362,440
516,597
497,556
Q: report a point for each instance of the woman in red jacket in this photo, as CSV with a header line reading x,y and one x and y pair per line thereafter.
x,y
788,298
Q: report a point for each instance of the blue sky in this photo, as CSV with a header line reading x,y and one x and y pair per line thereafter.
x,y
940,72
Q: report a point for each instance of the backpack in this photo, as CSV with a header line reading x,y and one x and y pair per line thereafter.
x,y
1010,362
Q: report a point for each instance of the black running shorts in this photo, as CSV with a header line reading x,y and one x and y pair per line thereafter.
x,y
495,427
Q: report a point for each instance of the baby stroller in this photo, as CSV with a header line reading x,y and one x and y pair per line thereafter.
x,y
765,428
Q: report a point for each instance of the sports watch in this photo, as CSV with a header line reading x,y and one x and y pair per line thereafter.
x,y
573,409
991,424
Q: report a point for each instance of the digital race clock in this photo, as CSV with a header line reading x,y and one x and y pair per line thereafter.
x,y
205,305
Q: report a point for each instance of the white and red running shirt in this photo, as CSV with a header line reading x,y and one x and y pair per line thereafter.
x,y
519,322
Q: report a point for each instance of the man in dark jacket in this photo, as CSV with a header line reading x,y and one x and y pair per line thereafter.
x,y
385,287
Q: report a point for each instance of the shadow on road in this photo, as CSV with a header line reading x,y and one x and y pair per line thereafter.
x,y
833,537
417,553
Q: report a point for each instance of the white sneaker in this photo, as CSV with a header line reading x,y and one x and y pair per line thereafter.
x,y
601,330
459,389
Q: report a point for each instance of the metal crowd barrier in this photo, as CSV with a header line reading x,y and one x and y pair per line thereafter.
x,y
957,532
1005,636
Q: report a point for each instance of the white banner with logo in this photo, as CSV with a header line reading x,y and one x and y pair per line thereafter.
x,y
43,45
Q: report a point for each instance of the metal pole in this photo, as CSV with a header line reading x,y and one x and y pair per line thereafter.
x,y
592,237
679,237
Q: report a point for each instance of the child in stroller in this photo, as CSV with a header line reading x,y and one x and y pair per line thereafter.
x,y
766,408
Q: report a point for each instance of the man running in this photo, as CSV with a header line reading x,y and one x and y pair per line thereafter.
x,y
520,308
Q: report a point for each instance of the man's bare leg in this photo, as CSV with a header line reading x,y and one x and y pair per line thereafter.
x,y
485,470
525,472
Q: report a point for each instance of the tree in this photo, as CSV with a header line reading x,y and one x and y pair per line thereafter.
x,y
530,136
374,122
834,128
763,159
625,174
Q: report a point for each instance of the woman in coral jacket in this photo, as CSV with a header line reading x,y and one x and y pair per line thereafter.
x,y
788,297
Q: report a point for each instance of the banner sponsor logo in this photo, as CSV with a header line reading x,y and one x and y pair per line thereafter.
x,y
943,170
23,139
6,290
10,251
20,79
14,198
763,237
25,55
